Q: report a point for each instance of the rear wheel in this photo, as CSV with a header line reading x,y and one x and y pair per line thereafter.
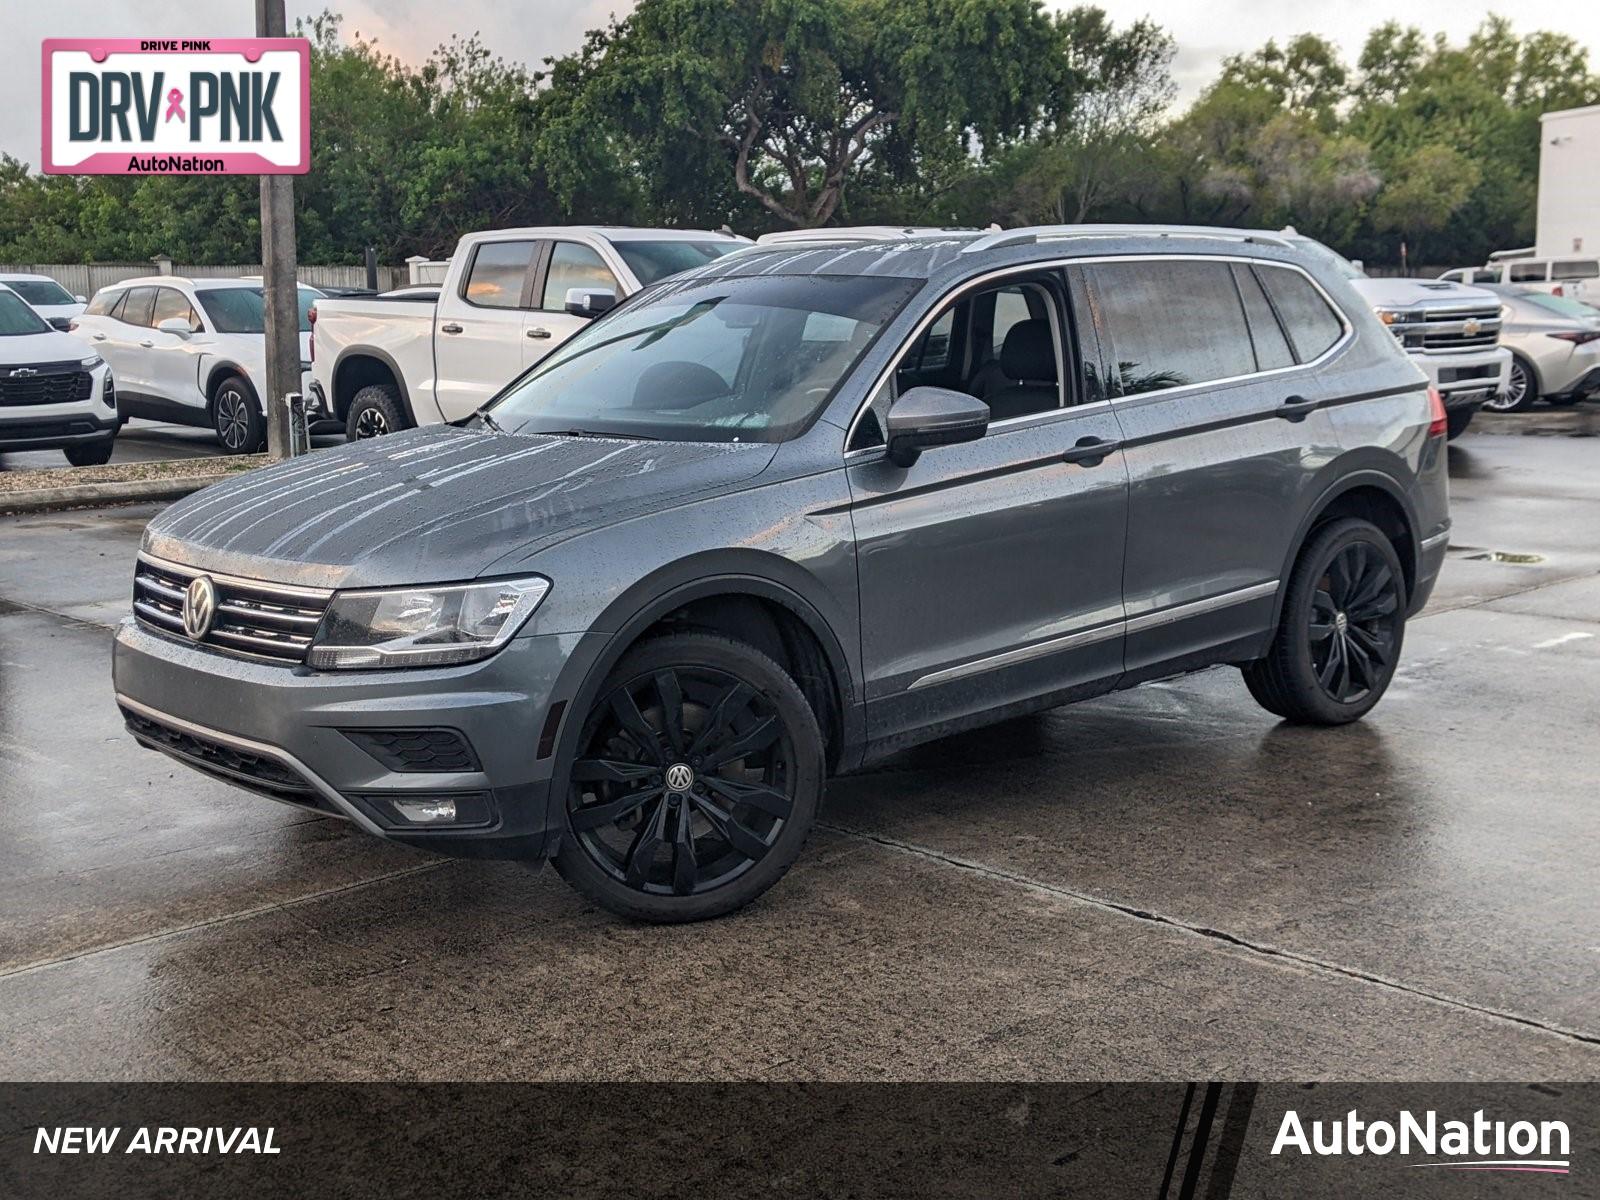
x,y
91,454
237,418
696,781
374,411
1457,422
1340,631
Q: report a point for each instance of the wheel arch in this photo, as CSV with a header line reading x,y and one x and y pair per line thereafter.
x,y
1535,379
361,367
1372,495
220,371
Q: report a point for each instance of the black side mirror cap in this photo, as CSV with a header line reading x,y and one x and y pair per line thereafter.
x,y
924,417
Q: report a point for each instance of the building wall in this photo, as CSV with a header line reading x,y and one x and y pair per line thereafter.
x,y
1569,183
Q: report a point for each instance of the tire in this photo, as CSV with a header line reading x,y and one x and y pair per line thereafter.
x,y
1522,389
236,417
624,836
374,411
91,454
1341,629
1457,422
1566,401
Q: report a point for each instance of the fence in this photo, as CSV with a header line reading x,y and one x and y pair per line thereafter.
x,y
85,279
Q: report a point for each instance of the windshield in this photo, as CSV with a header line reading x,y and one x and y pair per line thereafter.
x,y
243,309
39,291
751,359
17,318
1333,258
651,261
1561,305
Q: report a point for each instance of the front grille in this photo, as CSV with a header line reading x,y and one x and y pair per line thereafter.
x,y
416,749
254,619
44,383
1445,331
255,771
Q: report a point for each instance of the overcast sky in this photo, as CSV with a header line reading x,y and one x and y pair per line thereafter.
x,y
1206,30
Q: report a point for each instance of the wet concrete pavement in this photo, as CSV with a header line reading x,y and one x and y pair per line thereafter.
x,y
1161,884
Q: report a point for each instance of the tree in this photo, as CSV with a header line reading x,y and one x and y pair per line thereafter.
x,y
1425,192
1306,76
797,97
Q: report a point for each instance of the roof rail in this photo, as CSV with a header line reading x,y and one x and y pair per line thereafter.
x,y
858,233
1044,233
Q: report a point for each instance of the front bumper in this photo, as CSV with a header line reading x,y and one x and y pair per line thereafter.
x,y
1467,379
40,431
304,737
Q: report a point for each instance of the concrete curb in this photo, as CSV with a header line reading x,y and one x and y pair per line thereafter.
x,y
90,495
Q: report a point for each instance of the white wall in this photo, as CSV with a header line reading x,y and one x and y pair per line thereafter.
x,y
1569,183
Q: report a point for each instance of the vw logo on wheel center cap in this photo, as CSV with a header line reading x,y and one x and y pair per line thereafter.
x,y
680,777
199,607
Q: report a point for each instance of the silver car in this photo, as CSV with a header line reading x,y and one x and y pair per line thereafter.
x,y
1555,348
786,514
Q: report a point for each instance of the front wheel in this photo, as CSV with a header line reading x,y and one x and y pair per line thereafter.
x,y
1456,422
1522,389
1340,630
697,777
91,454
237,418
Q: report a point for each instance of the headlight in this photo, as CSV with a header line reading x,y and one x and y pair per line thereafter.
x,y
91,362
423,626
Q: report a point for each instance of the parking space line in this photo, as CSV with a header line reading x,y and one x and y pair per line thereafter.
x,y
1060,892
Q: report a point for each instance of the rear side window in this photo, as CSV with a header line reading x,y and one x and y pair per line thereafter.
x,y
1585,268
141,303
103,302
1172,322
1271,346
1529,272
497,274
1312,325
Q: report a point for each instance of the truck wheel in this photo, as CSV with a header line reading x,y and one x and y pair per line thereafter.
x,y
237,418
699,770
1458,422
1340,632
375,411
91,454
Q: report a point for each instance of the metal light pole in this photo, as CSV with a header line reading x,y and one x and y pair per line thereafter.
x,y
278,267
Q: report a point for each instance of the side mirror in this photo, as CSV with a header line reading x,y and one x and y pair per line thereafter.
x,y
1358,264
176,325
590,302
81,299
933,416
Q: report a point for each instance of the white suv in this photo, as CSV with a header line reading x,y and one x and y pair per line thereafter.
x,y
46,297
54,395
191,351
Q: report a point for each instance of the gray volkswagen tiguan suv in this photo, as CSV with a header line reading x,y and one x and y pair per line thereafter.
x,y
790,512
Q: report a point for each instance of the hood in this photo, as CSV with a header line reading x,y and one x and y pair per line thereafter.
x,y
17,349
1422,293
435,504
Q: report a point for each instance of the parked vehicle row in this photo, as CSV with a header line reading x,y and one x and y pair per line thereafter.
x,y
46,297
788,512
1574,276
1554,342
509,297
54,393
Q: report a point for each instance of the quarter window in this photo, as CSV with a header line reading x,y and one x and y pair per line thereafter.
x,y
1172,322
1271,346
574,265
103,302
1312,325
497,274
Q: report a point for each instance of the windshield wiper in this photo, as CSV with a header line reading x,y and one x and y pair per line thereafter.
x,y
589,433
483,415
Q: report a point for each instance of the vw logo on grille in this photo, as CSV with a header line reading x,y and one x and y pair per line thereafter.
x,y
680,777
199,607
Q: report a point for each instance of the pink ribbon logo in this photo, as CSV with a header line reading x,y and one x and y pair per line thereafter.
x,y
175,105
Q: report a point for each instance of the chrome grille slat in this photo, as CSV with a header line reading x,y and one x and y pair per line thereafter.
x,y
254,618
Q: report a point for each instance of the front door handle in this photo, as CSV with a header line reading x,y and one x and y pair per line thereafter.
x,y
538,332
147,343
450,328
1091,451
99,337
1296,408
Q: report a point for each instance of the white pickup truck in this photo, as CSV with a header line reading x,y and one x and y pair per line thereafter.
x,y
510,297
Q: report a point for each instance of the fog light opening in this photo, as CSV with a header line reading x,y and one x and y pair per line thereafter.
x,y
432,811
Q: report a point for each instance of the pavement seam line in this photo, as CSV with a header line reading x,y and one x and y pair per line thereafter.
x,y
1532,587
226,919
23,606
1058,891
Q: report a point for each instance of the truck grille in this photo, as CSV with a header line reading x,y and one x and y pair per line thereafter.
x,y
44,383
1444,331
254,619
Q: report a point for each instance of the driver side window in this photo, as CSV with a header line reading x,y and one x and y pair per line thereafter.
x,y
1000,344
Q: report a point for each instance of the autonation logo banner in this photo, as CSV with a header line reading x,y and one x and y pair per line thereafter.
x,y
1476,1144
212,106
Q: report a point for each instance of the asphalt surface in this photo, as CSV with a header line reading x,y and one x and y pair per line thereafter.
x,y
1163,884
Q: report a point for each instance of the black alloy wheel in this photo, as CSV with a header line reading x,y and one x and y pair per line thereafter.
x,y
696,780
239,424
1340,628
370,422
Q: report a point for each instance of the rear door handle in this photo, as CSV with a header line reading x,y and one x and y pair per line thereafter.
x,y
538,332
147,343
99,337
1296,408
1091,451
450,328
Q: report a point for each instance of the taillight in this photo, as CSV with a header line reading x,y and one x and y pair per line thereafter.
x,y
1558,290
1578,337
1439,423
